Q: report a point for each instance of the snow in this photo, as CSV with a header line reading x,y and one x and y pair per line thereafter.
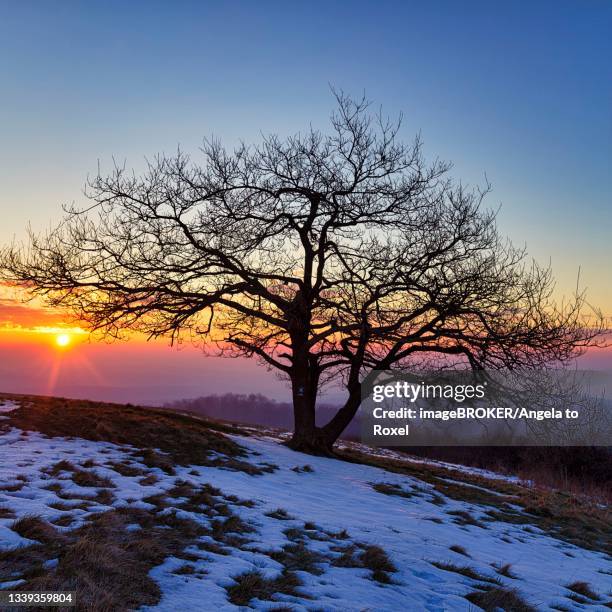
x,y
390,454
335,496
11,584
338,496
7,406
278,435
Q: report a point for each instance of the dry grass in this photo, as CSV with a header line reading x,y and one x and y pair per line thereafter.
x,y
343,534
297,556
464,570
415,491
26,561
64,507
61,466
64,521
460,550
294,533
185,570
302,469
566,517
12,488
107,563
347,556
182,439
499,598
505,570
90,478
392,489
6,512
375,559
103,561
81,477
279,514
125,469
371,557
102,496
463,517
251,585
34,528
584,589
148,481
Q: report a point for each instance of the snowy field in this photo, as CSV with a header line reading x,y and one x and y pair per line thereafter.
x,y
324,507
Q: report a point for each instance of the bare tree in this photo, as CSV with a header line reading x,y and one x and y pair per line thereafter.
x,y
324,255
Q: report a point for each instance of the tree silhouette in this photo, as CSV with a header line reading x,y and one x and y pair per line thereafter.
x,y
324,255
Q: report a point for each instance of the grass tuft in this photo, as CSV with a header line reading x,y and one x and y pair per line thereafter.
x,y
464,570
296,556
460,550
498,598
302,469
90,478
505,570
376,559
254,585
35,528
462,517
583,588
279,514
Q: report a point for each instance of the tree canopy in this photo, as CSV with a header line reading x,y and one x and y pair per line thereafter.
x,y
325,255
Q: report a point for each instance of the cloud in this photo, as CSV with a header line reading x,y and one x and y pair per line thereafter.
x,y
15,315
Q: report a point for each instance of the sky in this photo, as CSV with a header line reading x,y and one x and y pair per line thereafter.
x,y
519,92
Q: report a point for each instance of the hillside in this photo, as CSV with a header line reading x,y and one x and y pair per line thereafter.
x,y
142,508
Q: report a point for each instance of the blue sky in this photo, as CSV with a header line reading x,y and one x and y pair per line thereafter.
x,y
519,90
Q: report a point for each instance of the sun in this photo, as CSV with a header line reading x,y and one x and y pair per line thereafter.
x,y
63,340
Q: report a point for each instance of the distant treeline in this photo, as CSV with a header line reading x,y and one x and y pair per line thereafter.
x,y
254,409
580,470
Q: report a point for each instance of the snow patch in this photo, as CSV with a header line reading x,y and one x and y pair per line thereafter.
x,y
413,530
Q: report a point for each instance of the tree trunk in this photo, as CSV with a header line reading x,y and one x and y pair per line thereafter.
x,y
333,430
311,440
307,437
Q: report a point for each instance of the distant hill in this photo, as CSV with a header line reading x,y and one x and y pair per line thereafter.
x,y
255,409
